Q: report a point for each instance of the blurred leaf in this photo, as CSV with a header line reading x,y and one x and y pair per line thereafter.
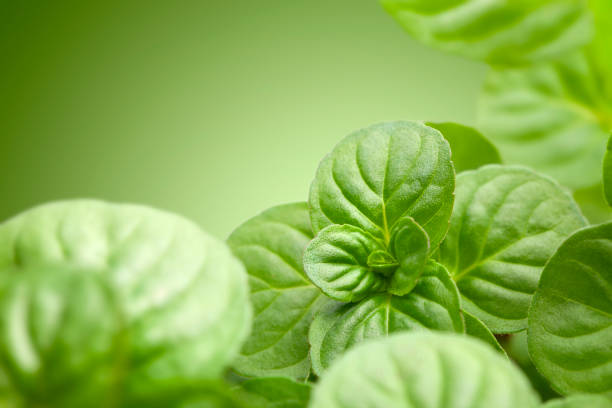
x,y
498,32
554,118
600,48
506,223
607,172
271,245
424,370
570,320
469,148
593,204
580,401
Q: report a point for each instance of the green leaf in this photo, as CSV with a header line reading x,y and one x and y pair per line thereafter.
x,y
593,204
475,328
60,330
607,172
410,245
570,320
379,174
600,48
181,295
470,149
433,304
506,223
424,370
498,32
336,260
551,117
275,393
271,245
580,401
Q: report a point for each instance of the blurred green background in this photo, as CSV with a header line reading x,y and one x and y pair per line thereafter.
x,y
215,110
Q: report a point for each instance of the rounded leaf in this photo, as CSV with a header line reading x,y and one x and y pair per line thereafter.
x,y
271,245
336,260
570,320
470,149
433,304
379,174
497,31
507,222
551,117
410,245
181,295
424,370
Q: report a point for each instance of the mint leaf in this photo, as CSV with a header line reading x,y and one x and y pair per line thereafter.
x,y
275,392
580,401
271,245
475,328
424,370
379,174
607,172
570,320
470,149
506,223
410,245
336,260
182,297
552,117
433,304
498,32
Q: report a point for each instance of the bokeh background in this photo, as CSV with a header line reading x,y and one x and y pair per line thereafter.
x,y
215,110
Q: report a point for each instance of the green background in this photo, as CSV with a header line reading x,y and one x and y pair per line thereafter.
x,y
216,110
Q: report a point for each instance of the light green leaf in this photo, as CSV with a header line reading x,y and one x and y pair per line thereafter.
x,y
570,320
276,392
497,31
475,328
506,223
60,330
551,117
424,370
336,260
271,245
181,295
607,172
470,149
580,401
600,48
379,174
433,304
410,245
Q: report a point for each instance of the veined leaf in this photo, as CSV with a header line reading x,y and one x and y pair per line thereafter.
x,y
498,32
506,223
433,304
410,245
475,328
553,117
271,245
181,295
275,392
607,172
424,370
379,174
470,149
336,260
570,320
580,401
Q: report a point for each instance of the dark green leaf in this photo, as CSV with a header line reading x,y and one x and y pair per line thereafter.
x,y
271,245
274,392
475,328
470,149
424,370
506,223
570,320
